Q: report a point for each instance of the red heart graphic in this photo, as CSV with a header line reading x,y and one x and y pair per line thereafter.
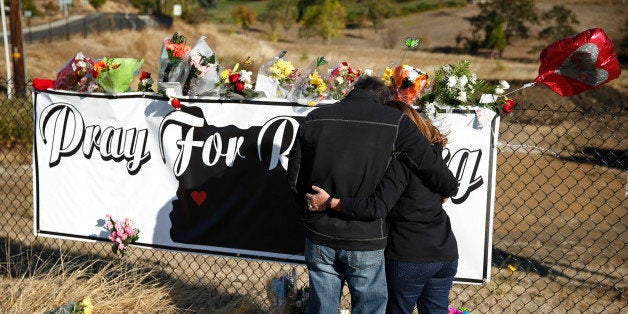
x,y
198,197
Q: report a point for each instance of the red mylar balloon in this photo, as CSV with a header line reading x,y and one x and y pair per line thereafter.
x,y
573,65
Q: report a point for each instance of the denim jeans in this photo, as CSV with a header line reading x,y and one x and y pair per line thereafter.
x,y
363,271
425,284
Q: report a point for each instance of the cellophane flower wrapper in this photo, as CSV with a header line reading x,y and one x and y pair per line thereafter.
x,y
172,70
118,80
409,83
77,75
341,80
276,77
202,78
303,92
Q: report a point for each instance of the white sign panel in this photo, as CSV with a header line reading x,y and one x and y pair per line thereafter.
x,y
211,178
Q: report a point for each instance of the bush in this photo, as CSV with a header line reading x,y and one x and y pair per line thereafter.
x,y
16,122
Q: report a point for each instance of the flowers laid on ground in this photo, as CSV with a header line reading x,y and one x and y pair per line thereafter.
x,y
77,75
121,233
286,296
458,310
236,81
341,80
171,65
408,83
276,77
146,82
84,306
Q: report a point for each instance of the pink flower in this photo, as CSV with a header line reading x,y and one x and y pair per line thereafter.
x,y
120,246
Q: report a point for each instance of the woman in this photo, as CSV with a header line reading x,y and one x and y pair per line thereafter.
x,y
421,252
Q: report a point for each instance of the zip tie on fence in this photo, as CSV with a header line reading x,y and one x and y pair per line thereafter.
x,y
530,147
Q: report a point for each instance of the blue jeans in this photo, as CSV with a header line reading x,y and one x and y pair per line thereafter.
x,y
425,284
363,271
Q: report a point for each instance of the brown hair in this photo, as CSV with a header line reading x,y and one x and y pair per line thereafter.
x,y
425,126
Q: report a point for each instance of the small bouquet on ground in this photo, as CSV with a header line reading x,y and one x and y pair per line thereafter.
x,y
407,83
458,310
286,297
121,233
276,77
114,75
172,67
310,88
146,83
341,80
236,81
77,75
82,307
203,74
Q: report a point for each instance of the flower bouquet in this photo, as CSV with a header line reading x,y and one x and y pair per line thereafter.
x,y
146,83
341,80
310,88
407,83
286,297
84,306
77,75
236,83
121,233
172,67
114,75
203,74
276,77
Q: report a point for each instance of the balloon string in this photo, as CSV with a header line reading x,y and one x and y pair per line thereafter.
x,y
520,88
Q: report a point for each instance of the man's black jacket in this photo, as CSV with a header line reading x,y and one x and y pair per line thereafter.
x,y
345,148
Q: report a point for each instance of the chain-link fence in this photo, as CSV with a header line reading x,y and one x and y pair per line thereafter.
x,y
559,241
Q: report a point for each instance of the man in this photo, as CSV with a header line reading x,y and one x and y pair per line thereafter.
x,y
345,148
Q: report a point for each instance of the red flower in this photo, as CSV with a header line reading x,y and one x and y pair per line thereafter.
x,y
234,77
43,84
176,103
144,75
239,86
508,105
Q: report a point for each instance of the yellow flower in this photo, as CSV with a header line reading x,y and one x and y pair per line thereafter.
x,y
88,308
387,76
317,81
281,69
225,75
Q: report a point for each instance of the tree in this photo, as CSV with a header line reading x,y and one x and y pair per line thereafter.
x,y
279,12
513,15
244,16
497,40
377,10
561,22
97,4
325,20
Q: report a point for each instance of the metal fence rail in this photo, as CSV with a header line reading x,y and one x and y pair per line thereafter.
x,y
559,238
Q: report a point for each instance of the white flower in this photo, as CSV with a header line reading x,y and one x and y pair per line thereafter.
x,y
488,98
462,96
430,110
245,76
463,80
368,72
503,84
248,86
474,78
499,91
339,79
451,81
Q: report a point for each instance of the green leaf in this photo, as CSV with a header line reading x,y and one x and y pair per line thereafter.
x,y
321,61
412,43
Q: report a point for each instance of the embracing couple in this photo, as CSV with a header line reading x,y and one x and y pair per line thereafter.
x,y
370,178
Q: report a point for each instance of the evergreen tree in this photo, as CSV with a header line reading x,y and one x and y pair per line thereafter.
x,y
325,20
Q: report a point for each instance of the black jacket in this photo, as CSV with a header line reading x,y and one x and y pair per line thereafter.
x,y
345,148
420,230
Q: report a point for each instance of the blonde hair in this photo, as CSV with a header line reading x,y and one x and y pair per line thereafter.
x,y
425,126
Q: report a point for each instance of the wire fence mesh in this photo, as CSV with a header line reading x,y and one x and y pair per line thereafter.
x,y
559,237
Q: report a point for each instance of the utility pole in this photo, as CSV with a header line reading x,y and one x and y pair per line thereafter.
x,y
17,48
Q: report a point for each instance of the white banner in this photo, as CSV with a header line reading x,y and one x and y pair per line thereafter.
x,y
210,178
